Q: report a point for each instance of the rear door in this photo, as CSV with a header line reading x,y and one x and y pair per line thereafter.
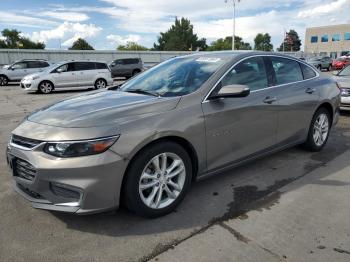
x,y
297,98
237,128
85,72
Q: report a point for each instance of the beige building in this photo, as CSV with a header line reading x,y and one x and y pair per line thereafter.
x,y
333,41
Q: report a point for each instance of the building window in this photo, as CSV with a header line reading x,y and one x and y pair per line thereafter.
x,y
324,39
333,55
347,36
314,39
336,37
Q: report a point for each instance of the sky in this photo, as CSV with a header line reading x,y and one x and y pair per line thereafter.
x,y
105,24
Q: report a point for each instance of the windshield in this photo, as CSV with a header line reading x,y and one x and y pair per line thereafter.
x,y
175,77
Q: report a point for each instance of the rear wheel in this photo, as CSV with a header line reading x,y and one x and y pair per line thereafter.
x,y
318,131
100,83
3,80
45,87
319,67
158,180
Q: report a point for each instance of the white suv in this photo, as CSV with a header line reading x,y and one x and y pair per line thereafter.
x,y
69,74
19,69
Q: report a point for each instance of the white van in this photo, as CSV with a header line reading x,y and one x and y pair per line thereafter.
x,y
69,74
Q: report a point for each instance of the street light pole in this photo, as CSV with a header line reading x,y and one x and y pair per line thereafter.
x,y
234,22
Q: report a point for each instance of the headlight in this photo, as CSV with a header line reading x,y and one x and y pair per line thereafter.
x,y
79,148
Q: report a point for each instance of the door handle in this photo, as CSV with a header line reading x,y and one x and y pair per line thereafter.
x,y
270,100
310,90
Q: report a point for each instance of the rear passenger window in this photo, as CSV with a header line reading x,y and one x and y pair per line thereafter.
x,y
307,71
37,64
101,66
131,61
287,70
81,66
250,72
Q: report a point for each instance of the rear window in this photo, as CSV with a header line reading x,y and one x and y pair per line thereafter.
x,y
131,61
286,70
80,66
101,66
307,71
37,64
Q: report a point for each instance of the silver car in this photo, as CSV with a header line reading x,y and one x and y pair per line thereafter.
x,y
143,144
17,70
343,79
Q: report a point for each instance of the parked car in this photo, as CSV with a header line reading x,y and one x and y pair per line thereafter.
x,y
340,63
69,74
145,142
343,79
127,67
19,69
324,62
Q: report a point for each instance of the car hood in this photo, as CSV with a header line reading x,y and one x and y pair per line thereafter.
x,y
101,108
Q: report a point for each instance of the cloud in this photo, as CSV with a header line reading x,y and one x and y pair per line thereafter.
x,y
24,20
323,9
120,40
66,16
68,32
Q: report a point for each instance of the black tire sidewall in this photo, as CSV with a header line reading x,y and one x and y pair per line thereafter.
x,y
132,197
310,143
100,79
43,82
5,80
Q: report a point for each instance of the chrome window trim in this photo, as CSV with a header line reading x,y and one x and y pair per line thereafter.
x,y
269,87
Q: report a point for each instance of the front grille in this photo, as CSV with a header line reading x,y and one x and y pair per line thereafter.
x,y
24,142
24,169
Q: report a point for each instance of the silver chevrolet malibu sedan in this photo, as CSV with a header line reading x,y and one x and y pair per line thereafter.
x,y
142,144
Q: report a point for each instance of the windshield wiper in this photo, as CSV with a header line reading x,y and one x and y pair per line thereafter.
x,y
144,92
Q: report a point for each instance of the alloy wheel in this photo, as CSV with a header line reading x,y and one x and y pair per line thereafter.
x,y
3,80
162,180
100,84
321,129
46,87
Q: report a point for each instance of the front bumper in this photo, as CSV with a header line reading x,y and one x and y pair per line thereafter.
x,y
29,85
80,185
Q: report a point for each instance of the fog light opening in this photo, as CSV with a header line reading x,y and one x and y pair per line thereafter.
x,y
68,192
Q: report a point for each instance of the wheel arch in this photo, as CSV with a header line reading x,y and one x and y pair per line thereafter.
x,y
328,106
46,80
176,139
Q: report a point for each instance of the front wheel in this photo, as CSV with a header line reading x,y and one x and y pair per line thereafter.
x,y
100,83
330,68
318,131
158,179
45,87
319,68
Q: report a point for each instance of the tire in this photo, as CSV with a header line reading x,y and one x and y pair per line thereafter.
x,y
142,173
319,67
45,87
329,68
100,83
135,72
318,134
3,80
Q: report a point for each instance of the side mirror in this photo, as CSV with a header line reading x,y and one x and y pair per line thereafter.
x,y
59,70
232,91
12,68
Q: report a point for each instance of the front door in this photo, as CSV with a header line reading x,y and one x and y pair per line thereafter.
x,y
237,128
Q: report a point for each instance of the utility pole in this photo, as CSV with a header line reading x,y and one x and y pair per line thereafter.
x,y
234,21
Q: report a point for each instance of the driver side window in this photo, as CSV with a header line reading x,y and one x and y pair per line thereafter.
x,y
21,65
250,72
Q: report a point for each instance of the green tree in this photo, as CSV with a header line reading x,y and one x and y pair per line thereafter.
x,y
291,42
13,39
180,37
226,44
81,44
132,46
262,42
